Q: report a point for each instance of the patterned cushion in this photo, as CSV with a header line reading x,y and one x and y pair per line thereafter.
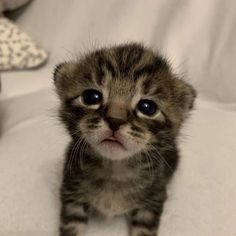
x,y
17,49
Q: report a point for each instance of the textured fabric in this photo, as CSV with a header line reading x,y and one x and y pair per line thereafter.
x,y
17,49
6,5
198,38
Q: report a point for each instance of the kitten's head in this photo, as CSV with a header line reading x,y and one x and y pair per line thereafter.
x,y
122,100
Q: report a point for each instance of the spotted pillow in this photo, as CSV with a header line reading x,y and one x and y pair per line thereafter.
x,y
17,49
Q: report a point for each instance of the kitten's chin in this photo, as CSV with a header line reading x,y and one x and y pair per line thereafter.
x,y
113,150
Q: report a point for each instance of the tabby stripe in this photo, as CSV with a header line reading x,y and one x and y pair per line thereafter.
x,y
131,60
119,57
136,56
94,120
66,200
135,134
149,69
92,126
147,84
103,63
136,128
69,101
67,232
74,218
151,225
109,67
127,58
87,76
85,207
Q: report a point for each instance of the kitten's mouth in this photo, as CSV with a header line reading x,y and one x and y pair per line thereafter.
x,y
113,142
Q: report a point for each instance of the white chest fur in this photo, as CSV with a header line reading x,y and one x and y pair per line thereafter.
x,y
111,203
116,196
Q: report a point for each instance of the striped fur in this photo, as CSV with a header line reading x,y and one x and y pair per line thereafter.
x,y
109,181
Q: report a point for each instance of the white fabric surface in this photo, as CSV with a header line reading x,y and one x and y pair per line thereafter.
x,y
198,37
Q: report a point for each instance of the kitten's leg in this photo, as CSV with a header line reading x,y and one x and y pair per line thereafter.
x,y
74,219
144,222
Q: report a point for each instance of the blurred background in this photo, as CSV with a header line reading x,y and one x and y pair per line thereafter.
x,y
198,38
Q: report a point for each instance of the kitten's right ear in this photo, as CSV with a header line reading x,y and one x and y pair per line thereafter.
x,y
57,72
63,78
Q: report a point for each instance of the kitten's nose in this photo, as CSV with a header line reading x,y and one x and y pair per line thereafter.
x,y
114,123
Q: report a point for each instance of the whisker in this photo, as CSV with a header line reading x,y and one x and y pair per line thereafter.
x,y
160,156
72,156
150,162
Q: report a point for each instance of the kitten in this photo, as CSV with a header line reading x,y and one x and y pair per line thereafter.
x,y
123,108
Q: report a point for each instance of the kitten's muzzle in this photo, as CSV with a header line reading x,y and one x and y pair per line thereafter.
x,y
116,115
114,123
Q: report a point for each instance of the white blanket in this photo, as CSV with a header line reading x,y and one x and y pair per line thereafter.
x,y
198,38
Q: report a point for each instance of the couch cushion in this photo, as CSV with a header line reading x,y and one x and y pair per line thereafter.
x,y
17,49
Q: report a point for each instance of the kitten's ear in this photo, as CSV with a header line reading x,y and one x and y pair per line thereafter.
x,y
63,78
185,95
57,71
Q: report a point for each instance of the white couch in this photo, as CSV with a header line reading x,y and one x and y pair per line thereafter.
x,y
198,37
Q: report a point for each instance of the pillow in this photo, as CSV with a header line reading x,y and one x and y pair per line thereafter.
x,y
17,49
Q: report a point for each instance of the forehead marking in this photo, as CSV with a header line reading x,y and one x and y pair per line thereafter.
x,y
103,65
127,58
150,68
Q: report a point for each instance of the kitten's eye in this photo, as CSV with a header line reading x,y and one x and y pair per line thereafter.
x,y
147,107
91,97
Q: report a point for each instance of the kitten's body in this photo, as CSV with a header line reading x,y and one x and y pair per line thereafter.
x,y
118,187
122,155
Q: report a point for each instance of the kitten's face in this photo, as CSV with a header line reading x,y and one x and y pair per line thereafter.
x,y
116,120
122,101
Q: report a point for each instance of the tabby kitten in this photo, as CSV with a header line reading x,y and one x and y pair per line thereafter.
x,y
123,108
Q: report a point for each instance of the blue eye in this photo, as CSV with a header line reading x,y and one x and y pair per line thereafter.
x,y
147,107
91,97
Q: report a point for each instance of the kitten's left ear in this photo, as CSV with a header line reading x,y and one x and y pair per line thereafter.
x,y
185,95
